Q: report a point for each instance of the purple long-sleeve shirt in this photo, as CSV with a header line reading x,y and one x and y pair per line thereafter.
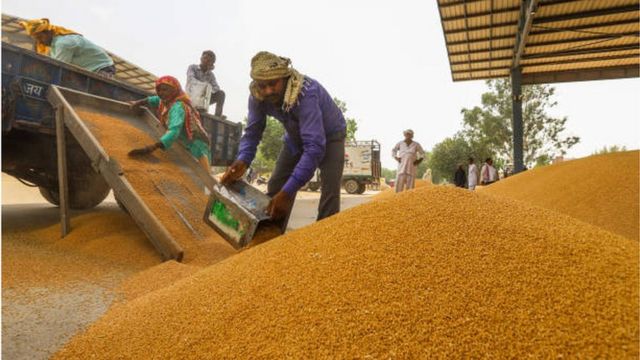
x,y
307,125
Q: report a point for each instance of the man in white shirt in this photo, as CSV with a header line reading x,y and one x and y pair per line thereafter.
x,y
488,174
472,175
409,154
203,72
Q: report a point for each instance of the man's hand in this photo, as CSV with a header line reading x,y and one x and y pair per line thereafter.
x,y
417,162
234,172
279,206
398,159
145,150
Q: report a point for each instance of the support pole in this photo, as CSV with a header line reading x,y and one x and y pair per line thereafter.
x,y
63,188
518,133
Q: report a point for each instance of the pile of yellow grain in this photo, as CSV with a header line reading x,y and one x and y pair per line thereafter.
x,y
155,278
601,190
146,174
103,245
391,191
444,273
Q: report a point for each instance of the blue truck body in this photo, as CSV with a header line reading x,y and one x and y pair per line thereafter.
x,y
28,121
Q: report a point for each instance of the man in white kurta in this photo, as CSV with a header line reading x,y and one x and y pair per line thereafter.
x,y
488,174
409,154
472,175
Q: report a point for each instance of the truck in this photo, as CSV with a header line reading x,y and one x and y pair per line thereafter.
x,y
28,119
362,167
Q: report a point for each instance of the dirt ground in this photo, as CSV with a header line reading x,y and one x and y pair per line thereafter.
x,y
38,317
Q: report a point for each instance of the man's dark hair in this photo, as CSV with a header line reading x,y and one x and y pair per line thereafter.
x,y
210,53
470,159
488,159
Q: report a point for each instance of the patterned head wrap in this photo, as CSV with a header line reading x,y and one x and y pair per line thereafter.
x,y
36,26
268,66
192,124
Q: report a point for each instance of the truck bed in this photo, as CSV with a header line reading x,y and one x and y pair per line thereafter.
x,y
163,192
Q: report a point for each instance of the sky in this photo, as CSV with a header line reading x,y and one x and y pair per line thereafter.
x,y
386,60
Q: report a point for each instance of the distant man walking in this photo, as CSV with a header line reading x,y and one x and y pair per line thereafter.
x,y
472,177
409,154
204,73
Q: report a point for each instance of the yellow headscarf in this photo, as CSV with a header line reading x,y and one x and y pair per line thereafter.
x,y
36,26
268,66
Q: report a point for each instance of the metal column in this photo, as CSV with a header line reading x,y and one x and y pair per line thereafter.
x,y
518,133
63,188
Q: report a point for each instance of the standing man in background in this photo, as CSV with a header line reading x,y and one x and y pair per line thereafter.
x,y
472,177
460,178
204,73
488,173
409,154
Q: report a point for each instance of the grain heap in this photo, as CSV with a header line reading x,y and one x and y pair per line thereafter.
x,y
389,192
155,278
601,190
38,257
153,173
447,273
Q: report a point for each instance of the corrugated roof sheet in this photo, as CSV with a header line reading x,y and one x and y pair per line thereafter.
x,y
14,33
593,37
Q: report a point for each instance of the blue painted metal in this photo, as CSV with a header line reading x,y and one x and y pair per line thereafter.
x,y
26,77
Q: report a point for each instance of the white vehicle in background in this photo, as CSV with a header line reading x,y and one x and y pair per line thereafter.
x,y
362,167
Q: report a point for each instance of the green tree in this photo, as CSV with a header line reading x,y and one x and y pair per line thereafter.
x,y
270,146
352,124
423,166
388,174
446,156
610,149
488,129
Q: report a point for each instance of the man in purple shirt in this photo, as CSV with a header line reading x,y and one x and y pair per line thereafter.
x,y
315,135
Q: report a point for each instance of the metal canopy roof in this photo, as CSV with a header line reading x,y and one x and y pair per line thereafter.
x,y
14,33
551,40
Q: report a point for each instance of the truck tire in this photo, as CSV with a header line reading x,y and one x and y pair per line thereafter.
x,y
362,187
314,186
85,192
351,186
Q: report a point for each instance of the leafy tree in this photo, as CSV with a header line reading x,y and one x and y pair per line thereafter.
x,y
610,149
488,128
270,146
388,174
446,156
423,166
352,124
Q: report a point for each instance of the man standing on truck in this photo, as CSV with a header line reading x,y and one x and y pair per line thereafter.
x,y
204,73
315,134
409,154
68,46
